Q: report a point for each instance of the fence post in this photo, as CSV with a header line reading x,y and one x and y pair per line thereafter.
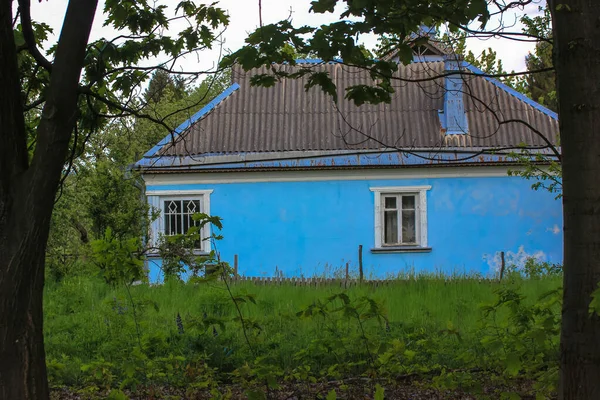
x,y
360,263
235,266
502,266
347,275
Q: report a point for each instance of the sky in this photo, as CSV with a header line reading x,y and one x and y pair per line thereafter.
x,y
244,18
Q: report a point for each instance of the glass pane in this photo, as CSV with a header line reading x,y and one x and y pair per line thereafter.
x,y
178,229
409,227
408,202
172,224
186,223
167,224
390,227
390,202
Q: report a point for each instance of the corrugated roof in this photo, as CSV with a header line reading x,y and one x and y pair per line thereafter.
x,y
287,118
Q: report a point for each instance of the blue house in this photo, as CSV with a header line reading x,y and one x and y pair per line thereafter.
x,y
421,183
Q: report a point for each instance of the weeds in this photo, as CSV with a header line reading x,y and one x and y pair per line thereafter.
x,y
444,331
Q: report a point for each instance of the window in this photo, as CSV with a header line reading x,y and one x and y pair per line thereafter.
x,y
177,208
401,218
178,215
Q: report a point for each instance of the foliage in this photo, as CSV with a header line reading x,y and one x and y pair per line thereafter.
x,y
103,192
541,86
111,76
68,243
489,63
429,328
339,40
161,84
179,253
119,259
114,201
98,197
526,342
544,170
456,43
128,143
109,80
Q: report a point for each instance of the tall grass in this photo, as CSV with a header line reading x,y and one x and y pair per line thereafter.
x,y
86,320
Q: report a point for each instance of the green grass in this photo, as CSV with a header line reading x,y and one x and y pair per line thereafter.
x,y
87,320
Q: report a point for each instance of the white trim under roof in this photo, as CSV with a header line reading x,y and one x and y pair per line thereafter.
x,y
325,175
192,192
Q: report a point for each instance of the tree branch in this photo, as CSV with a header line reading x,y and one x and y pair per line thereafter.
x,y
59,114
13,151
28,35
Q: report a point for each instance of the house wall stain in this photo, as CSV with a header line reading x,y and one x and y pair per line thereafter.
x,y
308,228
513,259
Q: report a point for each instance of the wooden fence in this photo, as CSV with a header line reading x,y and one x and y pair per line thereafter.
x,y
315,281
344,283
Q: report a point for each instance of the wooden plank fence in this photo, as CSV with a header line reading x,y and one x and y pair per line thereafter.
x,y
315,281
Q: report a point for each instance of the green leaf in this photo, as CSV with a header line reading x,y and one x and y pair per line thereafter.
x,y
379,392
331,395
19,39
510,396
117,394
595,303
405,53
323,80
264,80
255,395
322,6
513,364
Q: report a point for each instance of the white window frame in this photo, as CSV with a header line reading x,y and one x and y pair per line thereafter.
x,y
158,227
420,193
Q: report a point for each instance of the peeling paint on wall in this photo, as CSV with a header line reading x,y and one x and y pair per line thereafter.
x,y
511,258
555,229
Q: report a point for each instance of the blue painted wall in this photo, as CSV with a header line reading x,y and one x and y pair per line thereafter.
x,y
314,228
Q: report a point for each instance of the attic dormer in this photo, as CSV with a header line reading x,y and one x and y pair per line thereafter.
x,y
430,51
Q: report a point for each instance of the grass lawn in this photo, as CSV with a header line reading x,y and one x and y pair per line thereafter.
x,y
190,335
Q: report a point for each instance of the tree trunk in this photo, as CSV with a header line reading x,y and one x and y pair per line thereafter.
x,y
577,60
27,196
23,367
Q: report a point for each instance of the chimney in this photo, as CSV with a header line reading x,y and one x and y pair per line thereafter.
x,y
453,118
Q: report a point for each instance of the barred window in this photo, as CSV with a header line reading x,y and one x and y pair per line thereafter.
x,y
178,218
178,215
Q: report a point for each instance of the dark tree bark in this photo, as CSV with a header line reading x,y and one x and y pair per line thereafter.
x,y
27,196
577,62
